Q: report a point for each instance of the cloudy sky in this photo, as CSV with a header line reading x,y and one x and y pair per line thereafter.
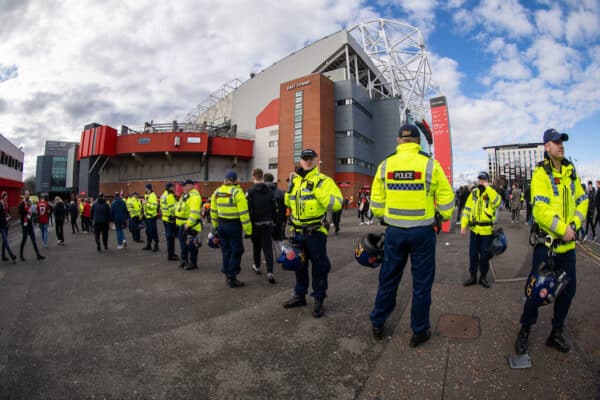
x,y
510,69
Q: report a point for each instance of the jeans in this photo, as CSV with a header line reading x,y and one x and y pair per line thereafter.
x,y
44,230
562,303
479,253
5,244
28,231
120,233
419,244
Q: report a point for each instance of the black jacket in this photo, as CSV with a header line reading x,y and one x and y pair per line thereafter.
x,y
60,211
278,197
100,211
73,211
261,203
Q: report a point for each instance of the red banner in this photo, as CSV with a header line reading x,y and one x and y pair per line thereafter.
x,y
441,139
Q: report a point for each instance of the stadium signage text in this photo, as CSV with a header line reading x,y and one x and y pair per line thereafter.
x,y
298,85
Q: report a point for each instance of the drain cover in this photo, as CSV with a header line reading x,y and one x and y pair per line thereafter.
x,y
458,326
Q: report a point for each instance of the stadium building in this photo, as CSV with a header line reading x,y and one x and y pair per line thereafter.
x,y
11,171
345,95
513,163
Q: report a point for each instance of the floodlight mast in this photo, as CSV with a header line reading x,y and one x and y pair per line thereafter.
x,y
400,54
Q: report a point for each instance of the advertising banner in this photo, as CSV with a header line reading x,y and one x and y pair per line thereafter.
x,y
441,139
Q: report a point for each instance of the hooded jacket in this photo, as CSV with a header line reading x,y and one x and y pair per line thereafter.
x,y
261,203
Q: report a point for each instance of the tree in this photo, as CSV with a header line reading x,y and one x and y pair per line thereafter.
x,y
30,184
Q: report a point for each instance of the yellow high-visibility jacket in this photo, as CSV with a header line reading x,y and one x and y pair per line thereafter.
x,y
409,187
167,205
480,211
134,206
229,202
151,205
558,200
182,211
193,205
311,197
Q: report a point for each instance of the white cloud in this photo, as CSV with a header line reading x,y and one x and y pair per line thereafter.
x,y
504,15
555,62
582,26
550,22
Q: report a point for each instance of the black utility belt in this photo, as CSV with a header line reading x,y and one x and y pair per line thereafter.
x,y
538,237
481,224
263,223
226,220
307,229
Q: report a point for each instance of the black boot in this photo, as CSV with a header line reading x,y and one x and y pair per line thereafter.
x,y
522,345
558,341
471,281
234,283
318,310
484,282
418,339
378,332
155,248
295,301
148,246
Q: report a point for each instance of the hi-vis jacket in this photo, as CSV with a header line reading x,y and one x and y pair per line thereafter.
x,y
408,187
480,211
182,212
193,204
134,207
310,197
167,205
229,202
558,200
151,205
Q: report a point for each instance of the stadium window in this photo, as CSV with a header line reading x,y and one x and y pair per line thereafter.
x,y
272,166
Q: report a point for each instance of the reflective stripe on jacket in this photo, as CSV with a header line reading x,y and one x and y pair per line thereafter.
x,y
167,205
229,202
182,211
134,207
480,211
193,205
151,205
558,200
310,197
408,188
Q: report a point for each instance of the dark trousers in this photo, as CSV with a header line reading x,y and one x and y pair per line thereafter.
x,y
5,244
562,303
232,247
134,227
590,222
28,231
419,244
60,230
479,253
74,226
335,218
170,233
315,251
182,244
192,250
101,228
151,231
262,240
516,214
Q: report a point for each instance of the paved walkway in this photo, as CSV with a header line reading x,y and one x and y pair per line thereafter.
x,y
130,325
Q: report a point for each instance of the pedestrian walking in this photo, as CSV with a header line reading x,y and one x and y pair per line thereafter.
x,y
229,215
60,213
26,217
311,196
480,215
119,216
263,211
101,219
559,208
4,224
73,214
515,204
408,190
43,217
280,218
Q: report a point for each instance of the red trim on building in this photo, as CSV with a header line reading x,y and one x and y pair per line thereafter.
x,y
269,116
161,142
231,147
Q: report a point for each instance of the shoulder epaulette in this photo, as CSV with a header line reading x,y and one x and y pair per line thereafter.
x,y
424,153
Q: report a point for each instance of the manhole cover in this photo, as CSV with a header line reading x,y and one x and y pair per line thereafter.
x,y
458,326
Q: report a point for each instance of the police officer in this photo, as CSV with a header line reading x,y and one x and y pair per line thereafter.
x,y
182,214
479,215
134,207
192,225
310,196
559,208
167,210
229,215
407,188
150,213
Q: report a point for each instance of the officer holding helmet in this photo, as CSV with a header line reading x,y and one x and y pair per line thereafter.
x,y
559,208
479,215
310,196
408,188
229,215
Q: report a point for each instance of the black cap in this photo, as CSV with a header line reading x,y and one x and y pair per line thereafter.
x,y
168,186
308,153
483,175
187,182
552,135
148,186
408,130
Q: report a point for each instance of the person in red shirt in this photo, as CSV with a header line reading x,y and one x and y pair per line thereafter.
x,y
43,212
26,214
86,216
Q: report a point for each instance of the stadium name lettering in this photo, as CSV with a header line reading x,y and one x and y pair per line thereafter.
x,y
297,85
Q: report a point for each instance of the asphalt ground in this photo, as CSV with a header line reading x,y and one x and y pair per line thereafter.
x,y
127,324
